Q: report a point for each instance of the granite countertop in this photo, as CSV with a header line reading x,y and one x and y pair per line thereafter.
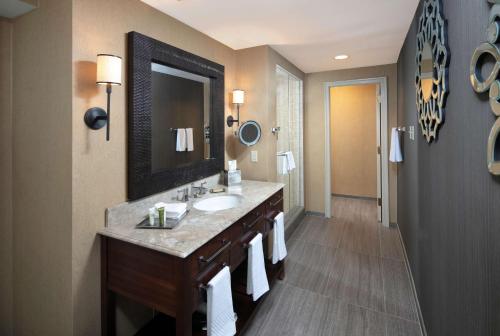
x,y
196,229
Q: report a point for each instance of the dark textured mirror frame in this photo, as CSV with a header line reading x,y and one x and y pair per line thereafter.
x,y
142,51
432,29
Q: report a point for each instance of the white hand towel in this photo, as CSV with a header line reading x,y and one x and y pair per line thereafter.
x,y
279,247
257,284
282,164
220,313
189,140
181,140
290,161
395,155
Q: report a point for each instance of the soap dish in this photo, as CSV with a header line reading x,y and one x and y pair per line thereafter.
x,y
169,223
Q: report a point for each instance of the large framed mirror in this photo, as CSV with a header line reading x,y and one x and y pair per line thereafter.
x,y
431,77
175,117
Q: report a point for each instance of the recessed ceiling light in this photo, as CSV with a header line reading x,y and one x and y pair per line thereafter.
x,y
341,57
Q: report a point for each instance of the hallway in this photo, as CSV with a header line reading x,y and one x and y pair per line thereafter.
x,y
345,276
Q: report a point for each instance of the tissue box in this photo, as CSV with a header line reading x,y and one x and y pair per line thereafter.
x,y
232,178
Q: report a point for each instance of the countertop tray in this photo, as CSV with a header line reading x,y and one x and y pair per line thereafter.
x,y
169,223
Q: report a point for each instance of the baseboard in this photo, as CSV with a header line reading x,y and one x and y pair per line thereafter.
x,y
366,198
315,213
412,282
294,222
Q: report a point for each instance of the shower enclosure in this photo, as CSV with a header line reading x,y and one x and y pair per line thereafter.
x,y
289,117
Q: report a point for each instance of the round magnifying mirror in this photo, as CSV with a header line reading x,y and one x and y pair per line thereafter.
x,y
427,71
249,133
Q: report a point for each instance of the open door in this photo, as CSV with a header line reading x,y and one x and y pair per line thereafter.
x,y
379,155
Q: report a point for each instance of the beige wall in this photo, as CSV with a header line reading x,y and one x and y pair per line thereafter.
x,y
353,126
42,170
6,235
256,68
314,130
97,163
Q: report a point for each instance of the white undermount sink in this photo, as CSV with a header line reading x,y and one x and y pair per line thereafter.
x,y
218,203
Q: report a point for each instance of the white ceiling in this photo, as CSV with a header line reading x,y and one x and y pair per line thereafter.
x,y
307,32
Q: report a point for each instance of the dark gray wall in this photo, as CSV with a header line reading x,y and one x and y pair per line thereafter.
x,y
449,204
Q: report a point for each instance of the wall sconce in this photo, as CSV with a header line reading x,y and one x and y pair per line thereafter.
x,y
109,73
238,99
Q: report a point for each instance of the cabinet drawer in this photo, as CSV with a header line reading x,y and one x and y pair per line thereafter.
x,y
253,218
211,252
274,204
239,250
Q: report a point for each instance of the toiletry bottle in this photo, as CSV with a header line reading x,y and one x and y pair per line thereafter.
x,y
161,213
152,213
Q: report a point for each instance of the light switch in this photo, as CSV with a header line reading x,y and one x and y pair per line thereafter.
x,y
254,156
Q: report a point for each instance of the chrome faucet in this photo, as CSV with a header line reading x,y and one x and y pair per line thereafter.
x,y
200,190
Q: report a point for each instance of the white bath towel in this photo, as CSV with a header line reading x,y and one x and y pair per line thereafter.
x,y
257,284
395,155
290,161
181,140
220,313
279,247
189,140
282,164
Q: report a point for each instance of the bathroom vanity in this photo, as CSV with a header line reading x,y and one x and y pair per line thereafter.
x,y
167,270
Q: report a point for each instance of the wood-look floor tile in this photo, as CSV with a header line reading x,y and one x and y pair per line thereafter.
x,y
390,243
398,294
293,314
356,278
263,314
308,266
399,327
322,231
340,286
361,238
343,319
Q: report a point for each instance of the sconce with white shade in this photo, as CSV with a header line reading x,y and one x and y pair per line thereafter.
x,y
109,73
238,99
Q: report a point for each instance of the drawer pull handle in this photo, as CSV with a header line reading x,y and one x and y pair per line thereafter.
x,y
276,203
251,225
201,285
270,220
214,256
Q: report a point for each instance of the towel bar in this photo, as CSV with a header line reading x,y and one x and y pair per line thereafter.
x,y
201,285
247,245
401,129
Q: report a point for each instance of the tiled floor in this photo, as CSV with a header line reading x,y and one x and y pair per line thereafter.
x,y
345,276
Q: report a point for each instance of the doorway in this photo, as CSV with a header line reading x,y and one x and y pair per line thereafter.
x,y
289,117
356,143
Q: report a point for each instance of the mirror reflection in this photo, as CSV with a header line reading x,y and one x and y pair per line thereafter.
x,y
427,71
180,118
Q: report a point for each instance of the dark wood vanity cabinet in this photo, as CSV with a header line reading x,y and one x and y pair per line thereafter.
x,y
171,285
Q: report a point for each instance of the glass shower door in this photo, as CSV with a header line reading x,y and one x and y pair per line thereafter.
x,y
290,137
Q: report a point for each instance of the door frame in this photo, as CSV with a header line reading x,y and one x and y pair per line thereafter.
x,y
382,81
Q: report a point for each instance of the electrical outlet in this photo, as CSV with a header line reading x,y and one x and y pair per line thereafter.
x,y
412,132
254,156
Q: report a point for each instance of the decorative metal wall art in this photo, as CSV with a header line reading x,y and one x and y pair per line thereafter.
x,y
491,83
431,77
